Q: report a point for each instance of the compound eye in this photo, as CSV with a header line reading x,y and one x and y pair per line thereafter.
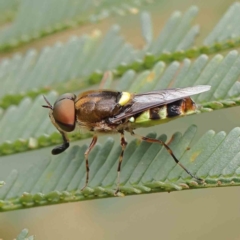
x,y
64,112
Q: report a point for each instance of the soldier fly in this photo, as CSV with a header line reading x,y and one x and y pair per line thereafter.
x,y
107,111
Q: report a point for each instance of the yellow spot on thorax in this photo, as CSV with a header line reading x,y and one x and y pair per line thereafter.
x,y
125,98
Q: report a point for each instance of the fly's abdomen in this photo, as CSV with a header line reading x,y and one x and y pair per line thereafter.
x,y
164,113
181,107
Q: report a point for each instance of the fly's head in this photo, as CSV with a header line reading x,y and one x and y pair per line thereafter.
x,y
63,117
62,113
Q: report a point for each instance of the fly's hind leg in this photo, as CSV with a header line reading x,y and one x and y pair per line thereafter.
x,y
123,145
152,140
92,144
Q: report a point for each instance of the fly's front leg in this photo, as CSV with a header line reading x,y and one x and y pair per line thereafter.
x,y
92,144
63,147
152,140
123,144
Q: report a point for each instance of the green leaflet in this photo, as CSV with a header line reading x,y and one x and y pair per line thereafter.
x,y
146,168
28,26
36,131
7,10
84,59
24,235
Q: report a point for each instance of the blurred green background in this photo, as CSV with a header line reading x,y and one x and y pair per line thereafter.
x,y
196,214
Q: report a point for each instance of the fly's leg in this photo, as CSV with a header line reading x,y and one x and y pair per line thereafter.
x,y
92,144
63,147
152,140
123,144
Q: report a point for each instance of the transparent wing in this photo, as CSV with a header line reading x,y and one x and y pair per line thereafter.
x,y
144,101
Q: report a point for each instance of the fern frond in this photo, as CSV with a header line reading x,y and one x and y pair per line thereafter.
x,y
30,24
221,73
84,59
7,10
146,168
24,235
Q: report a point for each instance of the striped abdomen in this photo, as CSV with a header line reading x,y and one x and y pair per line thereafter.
x,y
165,112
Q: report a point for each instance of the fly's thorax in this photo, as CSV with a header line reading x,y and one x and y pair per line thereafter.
x,y
96,106
164,113
101,127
